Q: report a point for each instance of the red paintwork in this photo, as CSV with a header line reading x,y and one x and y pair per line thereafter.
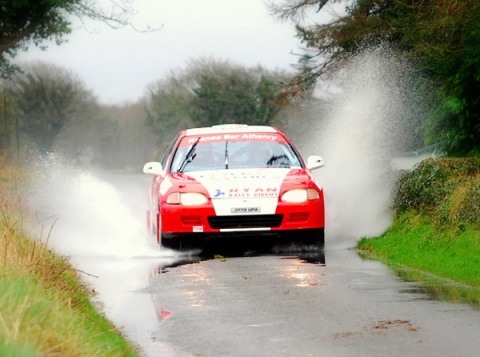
x,y
181,219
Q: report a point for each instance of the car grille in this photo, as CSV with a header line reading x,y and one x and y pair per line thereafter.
x,y
246,221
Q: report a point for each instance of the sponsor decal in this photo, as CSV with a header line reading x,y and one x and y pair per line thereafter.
x,y
209,138
222,176
203,139
259,187
262,137
253,192
246,192
218,193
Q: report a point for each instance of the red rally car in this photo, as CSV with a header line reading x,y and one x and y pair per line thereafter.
x,y
233,180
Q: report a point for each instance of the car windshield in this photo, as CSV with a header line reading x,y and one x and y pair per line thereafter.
x,y
232,154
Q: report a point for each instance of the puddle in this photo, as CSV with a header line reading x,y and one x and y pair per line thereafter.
x,y
441,289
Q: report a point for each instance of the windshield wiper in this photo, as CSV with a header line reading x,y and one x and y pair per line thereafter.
x,y
226,155
279,161
189,157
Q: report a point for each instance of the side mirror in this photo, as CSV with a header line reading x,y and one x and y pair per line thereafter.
x,y
154,168
315,162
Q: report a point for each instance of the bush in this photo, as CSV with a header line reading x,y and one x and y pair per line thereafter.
x,y
446,189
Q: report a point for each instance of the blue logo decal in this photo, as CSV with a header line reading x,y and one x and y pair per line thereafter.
x,y
219,193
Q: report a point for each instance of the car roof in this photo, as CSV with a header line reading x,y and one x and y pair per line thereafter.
x,y
231,128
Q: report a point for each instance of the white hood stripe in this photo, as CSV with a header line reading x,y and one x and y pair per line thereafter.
x,y
240,188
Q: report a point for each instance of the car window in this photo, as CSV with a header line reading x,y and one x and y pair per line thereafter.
x,y
168,151
231,154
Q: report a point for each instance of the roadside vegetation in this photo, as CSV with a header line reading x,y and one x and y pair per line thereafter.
x,y
436,231
45,310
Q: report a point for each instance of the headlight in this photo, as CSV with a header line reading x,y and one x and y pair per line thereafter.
x,y
300,195
187,198
192,199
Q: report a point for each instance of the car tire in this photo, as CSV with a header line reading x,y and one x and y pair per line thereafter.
x,y
161,240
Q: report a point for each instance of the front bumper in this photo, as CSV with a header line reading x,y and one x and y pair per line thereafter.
x,y
178,220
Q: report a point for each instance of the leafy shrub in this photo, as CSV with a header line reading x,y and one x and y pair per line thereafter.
x,y
447,189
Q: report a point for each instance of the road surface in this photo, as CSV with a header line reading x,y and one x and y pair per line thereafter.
x,y
285,306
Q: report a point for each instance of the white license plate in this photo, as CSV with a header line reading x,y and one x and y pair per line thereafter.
x,y
245,210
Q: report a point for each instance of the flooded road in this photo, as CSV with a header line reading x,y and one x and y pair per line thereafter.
x,y
269,305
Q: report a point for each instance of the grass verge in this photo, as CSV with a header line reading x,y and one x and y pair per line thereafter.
x,y
414,242
435,237
45,309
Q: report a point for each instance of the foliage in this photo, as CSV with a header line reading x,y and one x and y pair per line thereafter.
x,y
44,307
8,115
441,36
123,138
435,235
212,92
455,65
226,95
446,189
168,107
47,98
413,241
29,21
56,113
53,108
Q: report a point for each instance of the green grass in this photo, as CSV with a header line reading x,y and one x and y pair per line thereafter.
x,y
435,237
452,253
45,309
35,321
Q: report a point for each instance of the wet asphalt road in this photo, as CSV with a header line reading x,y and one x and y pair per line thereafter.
x,y
284,306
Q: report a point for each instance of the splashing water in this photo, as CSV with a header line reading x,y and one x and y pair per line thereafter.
x,y
364,127
84,214
100,225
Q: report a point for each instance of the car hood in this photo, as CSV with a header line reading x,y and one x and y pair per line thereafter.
x,y
224,184
243,191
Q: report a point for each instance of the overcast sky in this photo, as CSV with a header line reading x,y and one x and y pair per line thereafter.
x,y
118,65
